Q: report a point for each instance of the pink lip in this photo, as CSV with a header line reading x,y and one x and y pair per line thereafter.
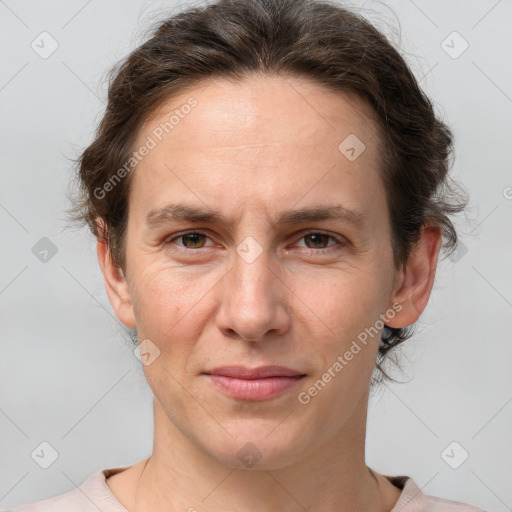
x,y
254,384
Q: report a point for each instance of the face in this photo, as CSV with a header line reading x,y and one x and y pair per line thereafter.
x,y
265,278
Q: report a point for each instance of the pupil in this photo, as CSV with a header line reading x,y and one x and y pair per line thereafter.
x,y
318,238
193,235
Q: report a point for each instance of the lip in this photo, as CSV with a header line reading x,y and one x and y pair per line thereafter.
x,y
261,372
253,384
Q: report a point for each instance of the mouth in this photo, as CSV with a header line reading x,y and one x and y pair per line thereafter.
x,y
256,384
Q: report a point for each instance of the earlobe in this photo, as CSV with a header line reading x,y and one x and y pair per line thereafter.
x,y
417,278
116,286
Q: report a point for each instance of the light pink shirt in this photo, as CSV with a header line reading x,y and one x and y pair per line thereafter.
x,y
94,494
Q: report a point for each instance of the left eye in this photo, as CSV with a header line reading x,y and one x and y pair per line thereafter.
x,y
317,240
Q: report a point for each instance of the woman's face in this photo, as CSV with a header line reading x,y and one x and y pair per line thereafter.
x,y
248,290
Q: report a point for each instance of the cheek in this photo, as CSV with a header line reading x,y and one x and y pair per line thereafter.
x,y
344,300
161,299
172,306
348,305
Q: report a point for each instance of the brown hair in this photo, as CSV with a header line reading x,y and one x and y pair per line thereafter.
x,y
317,40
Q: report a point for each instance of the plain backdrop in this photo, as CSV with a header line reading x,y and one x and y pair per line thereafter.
x,y
68,375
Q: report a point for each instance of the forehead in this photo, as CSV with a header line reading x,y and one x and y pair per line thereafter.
x,y
264,108
263,137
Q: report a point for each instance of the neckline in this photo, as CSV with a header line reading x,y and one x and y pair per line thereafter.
x,y
410,490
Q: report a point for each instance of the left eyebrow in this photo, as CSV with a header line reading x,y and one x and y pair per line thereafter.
x,y
313,214
176,212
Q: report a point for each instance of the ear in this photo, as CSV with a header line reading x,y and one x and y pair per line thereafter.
x,y
414,282
116,285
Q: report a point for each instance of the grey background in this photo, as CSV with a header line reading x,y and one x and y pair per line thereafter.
x,y
69,378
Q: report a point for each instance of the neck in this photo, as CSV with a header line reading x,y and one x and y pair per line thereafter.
x,y
332,478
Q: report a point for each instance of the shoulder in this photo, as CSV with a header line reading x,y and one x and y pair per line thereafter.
x,y
413,499
92,495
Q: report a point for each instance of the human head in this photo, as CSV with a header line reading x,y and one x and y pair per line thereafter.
x,y
320,41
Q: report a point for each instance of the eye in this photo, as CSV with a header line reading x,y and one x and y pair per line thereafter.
x,y
191,239
318,240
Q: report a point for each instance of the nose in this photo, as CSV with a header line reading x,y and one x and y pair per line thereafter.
x,y
254,300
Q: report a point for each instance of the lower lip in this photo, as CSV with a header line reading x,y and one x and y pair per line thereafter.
x,y
253,390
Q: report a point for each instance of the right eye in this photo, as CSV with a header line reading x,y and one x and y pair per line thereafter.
x,y
190,237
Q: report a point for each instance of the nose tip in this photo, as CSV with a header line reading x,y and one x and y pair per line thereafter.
x,y
253,306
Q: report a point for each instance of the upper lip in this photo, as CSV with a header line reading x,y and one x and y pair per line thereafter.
x,y
261,372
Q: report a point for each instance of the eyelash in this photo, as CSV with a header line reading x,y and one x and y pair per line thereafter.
x,y
339,244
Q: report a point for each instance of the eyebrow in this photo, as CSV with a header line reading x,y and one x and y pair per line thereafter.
x,y
183,212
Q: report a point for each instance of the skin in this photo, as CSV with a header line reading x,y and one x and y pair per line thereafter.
x,y
252,150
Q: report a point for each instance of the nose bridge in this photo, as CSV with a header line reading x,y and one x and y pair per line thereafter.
x,y
251,274
253,262
252,304
251,255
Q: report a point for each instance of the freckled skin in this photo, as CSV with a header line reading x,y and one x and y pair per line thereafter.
x,y
252,150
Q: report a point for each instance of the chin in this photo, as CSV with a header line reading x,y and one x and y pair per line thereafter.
x,y
258,449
